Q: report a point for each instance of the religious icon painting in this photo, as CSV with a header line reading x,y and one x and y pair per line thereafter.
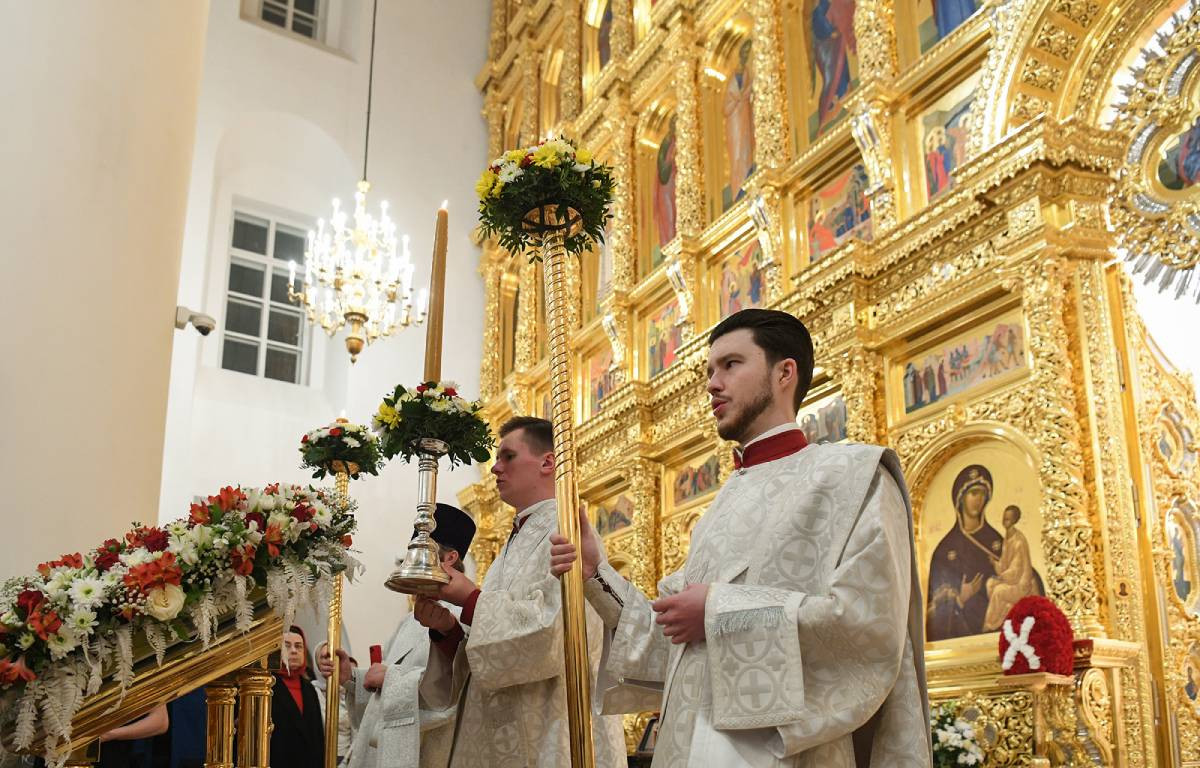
x,y
612,516
743,281
604,35
937,18
1191,676
1179,167
1175,440
832,50
1182,531
982,356
979,539
824,420
838,211
662,187
737,107
663,338
695,480
943,137
600,379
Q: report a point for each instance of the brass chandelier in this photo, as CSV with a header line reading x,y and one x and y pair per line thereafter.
x,y
356,275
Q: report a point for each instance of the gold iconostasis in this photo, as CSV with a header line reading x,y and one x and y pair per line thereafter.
x,y
941,190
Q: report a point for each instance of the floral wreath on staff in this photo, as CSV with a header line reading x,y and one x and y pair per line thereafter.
x,y
72,623
432,409
340,446
553,172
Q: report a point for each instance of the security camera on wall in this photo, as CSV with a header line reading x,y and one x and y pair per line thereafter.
x,y
204,324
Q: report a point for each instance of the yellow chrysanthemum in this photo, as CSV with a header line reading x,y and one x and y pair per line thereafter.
x,y
388,415
514,155
583,156
487,180
546,156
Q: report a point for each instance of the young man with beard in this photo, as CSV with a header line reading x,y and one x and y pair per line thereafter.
x,y
393,726
792,636
514,707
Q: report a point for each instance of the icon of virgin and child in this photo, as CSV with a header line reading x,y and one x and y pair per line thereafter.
x,y
977,574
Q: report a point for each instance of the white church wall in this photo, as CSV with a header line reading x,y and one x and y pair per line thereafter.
x,y
280,129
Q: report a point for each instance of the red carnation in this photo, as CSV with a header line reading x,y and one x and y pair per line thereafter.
x,y
303,513
108,555
451,391
256,517
155,539
1042,636
347,540
526,161
29,600
335,432
304,439
421,387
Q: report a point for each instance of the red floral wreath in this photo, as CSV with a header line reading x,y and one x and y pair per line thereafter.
x,y
1036,637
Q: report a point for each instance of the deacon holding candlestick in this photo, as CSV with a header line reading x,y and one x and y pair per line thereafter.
x,y
393,726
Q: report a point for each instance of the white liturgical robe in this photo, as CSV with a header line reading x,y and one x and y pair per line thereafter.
x,y
514,708
394,728
813,632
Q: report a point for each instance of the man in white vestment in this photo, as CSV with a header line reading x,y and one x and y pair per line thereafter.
x,y
393,727
514,707
793,635
1014,577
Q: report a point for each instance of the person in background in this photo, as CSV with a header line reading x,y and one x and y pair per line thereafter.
x,y
298,733
117,747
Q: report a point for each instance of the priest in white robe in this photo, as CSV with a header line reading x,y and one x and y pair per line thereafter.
x,y
514,707
393,727
793,634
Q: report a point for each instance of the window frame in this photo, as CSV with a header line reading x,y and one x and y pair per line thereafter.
x,y
269,267
288,8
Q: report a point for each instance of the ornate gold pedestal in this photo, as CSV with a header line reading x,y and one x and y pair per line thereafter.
x,y
221,699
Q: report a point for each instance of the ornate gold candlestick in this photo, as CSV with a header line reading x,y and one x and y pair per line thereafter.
x,y
420,573
554,224
342,471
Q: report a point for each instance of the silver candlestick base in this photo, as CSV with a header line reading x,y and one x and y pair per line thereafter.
x,y
420,573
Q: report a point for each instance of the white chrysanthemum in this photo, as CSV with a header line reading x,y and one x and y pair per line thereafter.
x,y
61,643
9,618
441,406
281,519
350,441
266,502
323,517
87,591
510,172
137,556
25,641
82,621
58,584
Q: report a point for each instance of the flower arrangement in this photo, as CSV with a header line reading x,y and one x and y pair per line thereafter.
x,y
72,623
954,741
352,445
552,172
433,410
1037,637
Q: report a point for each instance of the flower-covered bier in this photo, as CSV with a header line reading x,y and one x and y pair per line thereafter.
x,y
355,446
432,410
75,616
554,172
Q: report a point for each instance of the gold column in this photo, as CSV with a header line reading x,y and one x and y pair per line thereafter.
x,y
570,79
491,364
875,29
1066,533
643,486
689,185
622,29
577,678
334,640
771,141
525,355
255,683
860,371
220,696
85,756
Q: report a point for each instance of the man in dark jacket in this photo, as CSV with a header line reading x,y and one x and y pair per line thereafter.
x,y
298,737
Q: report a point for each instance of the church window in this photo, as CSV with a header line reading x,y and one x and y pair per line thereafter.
x,y
299,16
264,333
